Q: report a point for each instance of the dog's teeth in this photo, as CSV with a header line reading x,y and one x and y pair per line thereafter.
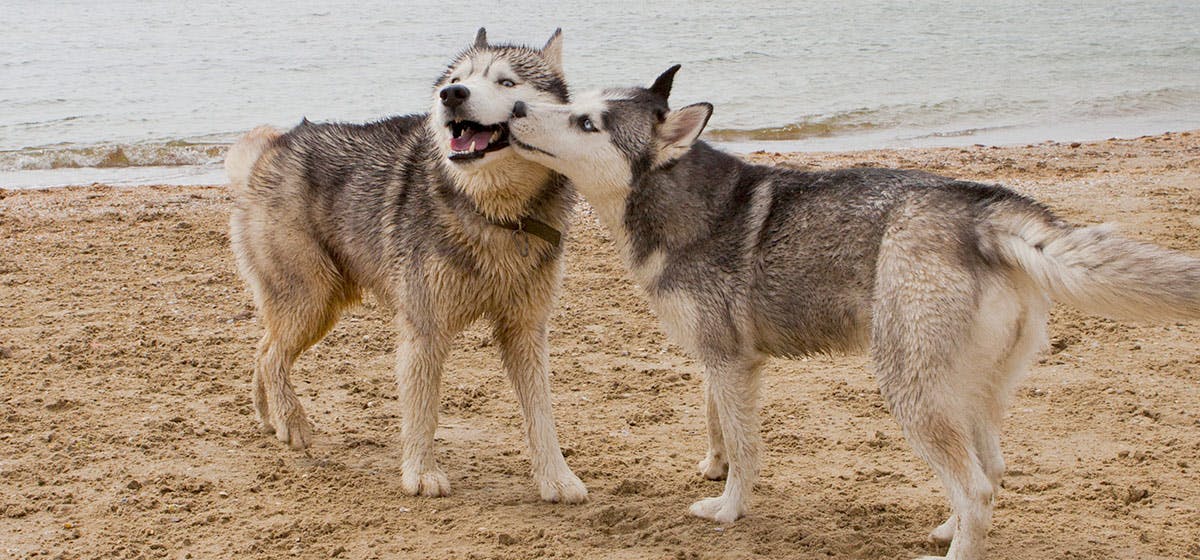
x,y
472,148
495,136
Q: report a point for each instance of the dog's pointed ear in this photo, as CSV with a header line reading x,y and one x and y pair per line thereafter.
x,y
662,84
552,52
679,130
481,39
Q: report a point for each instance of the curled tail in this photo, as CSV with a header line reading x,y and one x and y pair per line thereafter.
x,y
1096,270
240,160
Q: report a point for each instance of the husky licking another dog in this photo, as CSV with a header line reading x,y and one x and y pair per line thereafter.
x,y
438,218
948,283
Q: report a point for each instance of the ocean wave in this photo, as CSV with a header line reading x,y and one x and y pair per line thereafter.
x,y
166,154
966,117
807,127
1139,102
851,121
964,133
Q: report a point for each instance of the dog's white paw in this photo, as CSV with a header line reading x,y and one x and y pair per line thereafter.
x,y
714,467
719,509
567,489
944,533
294,429
431,483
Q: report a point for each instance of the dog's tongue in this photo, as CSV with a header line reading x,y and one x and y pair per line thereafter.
x,y
463,143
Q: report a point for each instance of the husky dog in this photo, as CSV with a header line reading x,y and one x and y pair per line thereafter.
x,y
434,214
947,282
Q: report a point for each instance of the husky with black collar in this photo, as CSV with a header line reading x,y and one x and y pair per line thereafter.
x,y
440,219
948,283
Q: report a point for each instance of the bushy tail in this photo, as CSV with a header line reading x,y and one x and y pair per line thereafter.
x,y
239,161
1098,271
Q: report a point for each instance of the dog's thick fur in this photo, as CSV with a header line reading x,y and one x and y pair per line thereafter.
x,y
948,282
326,211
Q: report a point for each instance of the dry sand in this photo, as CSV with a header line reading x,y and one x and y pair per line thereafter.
x,y
126,428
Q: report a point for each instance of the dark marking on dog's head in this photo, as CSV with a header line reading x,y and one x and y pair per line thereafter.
x,y
541,68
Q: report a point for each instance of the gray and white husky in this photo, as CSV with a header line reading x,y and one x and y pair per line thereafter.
x,y
434,214
947,282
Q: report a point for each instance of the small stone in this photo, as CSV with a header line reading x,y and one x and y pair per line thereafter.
x,y
223,494
1075,144
5,353
59,404
506,539
1135,494
134,485
338,552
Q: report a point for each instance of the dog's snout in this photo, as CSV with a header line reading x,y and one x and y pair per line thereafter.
x,y
519,109
453,96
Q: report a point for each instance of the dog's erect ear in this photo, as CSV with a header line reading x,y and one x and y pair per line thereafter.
x,y
662,84
679,131
552,52
481,39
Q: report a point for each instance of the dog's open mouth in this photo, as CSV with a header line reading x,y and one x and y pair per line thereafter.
x,y
471,140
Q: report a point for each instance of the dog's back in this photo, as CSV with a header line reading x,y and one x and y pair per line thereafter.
x,y
327,155
321,189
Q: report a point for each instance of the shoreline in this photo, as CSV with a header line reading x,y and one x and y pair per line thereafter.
x,y
126,340
124,174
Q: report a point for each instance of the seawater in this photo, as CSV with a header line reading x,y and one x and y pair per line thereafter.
x,y
131,92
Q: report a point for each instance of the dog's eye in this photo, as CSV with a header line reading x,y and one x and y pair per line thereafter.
x,y
508,83
586,124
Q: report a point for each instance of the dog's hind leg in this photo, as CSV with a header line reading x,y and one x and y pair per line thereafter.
x,y
734,386
1010,331
946,444
296,315
521,334
714,466
933,418
926,347
298,290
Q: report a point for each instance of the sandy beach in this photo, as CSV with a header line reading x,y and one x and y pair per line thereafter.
x,y
126,428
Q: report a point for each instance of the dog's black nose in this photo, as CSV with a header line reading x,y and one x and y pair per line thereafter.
x,y
453,96
519,109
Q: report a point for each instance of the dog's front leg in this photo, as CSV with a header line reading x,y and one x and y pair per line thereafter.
x,y
732,385
419,357
525,354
